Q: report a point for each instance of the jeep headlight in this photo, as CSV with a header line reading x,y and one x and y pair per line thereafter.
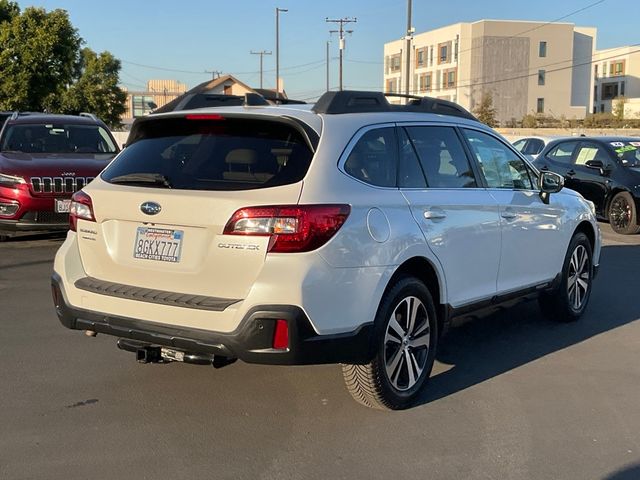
x,y
10,181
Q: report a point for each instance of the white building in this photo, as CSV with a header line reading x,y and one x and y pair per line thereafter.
x,y
617,74
527,67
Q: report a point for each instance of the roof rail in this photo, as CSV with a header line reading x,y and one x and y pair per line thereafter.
x,y
90,115
350,101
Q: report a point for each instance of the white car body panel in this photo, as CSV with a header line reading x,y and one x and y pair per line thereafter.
x,y
475,253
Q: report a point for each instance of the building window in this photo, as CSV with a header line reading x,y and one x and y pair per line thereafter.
x,y
609,91
541,77
540,108
622,89
542,49
595,94
449,78
392,85
455,48
616,68
394,63
431,56
421,57
602,108
424,82
595,71
142,105
444,52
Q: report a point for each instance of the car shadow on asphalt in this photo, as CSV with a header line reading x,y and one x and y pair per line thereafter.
x,y
484,348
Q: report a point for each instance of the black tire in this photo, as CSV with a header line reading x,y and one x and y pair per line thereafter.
x,y
568,301
623,215
371,384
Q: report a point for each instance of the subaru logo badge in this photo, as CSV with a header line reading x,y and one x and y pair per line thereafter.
x,y
150,208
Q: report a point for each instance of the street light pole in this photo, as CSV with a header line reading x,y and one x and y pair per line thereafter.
x,y
278,10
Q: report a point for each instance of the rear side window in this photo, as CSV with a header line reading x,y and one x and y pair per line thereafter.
x,y
213,154
442,156
563,152
374,158
534,146
591,151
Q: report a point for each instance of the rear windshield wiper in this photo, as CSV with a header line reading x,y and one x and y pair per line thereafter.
x,y
142,178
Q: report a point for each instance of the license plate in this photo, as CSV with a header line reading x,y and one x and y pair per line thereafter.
x,y
159,244
62,206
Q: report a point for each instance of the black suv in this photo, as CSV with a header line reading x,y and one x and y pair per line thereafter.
x,y
605,170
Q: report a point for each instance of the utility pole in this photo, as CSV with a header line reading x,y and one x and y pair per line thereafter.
x,y
409,37
328,42
278,10
214,73
341,31
262,53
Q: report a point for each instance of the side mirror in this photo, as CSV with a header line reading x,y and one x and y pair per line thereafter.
x,y
548,183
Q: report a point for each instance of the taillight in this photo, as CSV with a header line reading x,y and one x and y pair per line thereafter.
x,y
292,228
81,208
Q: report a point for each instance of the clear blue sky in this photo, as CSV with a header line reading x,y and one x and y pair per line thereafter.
x,y
196,35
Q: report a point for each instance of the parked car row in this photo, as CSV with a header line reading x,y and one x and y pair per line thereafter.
x,y
605,170
44,159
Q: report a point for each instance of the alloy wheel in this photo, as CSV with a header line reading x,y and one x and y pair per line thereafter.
x,y
406,343
620,213
579,277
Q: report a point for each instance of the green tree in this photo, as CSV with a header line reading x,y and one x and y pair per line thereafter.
x,y
485,111
8,10
618,108
39,54
96,88
529,121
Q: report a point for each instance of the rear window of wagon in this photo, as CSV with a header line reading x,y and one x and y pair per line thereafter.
x,y
210,152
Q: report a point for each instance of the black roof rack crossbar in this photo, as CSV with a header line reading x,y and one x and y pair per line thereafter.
x,y
350,101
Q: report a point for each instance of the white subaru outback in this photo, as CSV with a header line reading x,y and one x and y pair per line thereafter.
x,y
351,232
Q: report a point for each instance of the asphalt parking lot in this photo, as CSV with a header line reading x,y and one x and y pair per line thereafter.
x,y
513,396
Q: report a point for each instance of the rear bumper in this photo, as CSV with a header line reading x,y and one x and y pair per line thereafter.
x,y
250,342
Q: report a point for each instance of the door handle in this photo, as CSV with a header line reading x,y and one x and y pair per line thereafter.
x,y
508,215
435,214
544,168
570,173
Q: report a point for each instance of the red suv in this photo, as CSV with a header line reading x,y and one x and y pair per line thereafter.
x,y
44,159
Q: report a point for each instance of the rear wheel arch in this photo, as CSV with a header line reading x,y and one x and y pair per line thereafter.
x,y
424,270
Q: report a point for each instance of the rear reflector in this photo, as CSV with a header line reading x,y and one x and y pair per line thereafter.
x,y
281,335
292,228
204,116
